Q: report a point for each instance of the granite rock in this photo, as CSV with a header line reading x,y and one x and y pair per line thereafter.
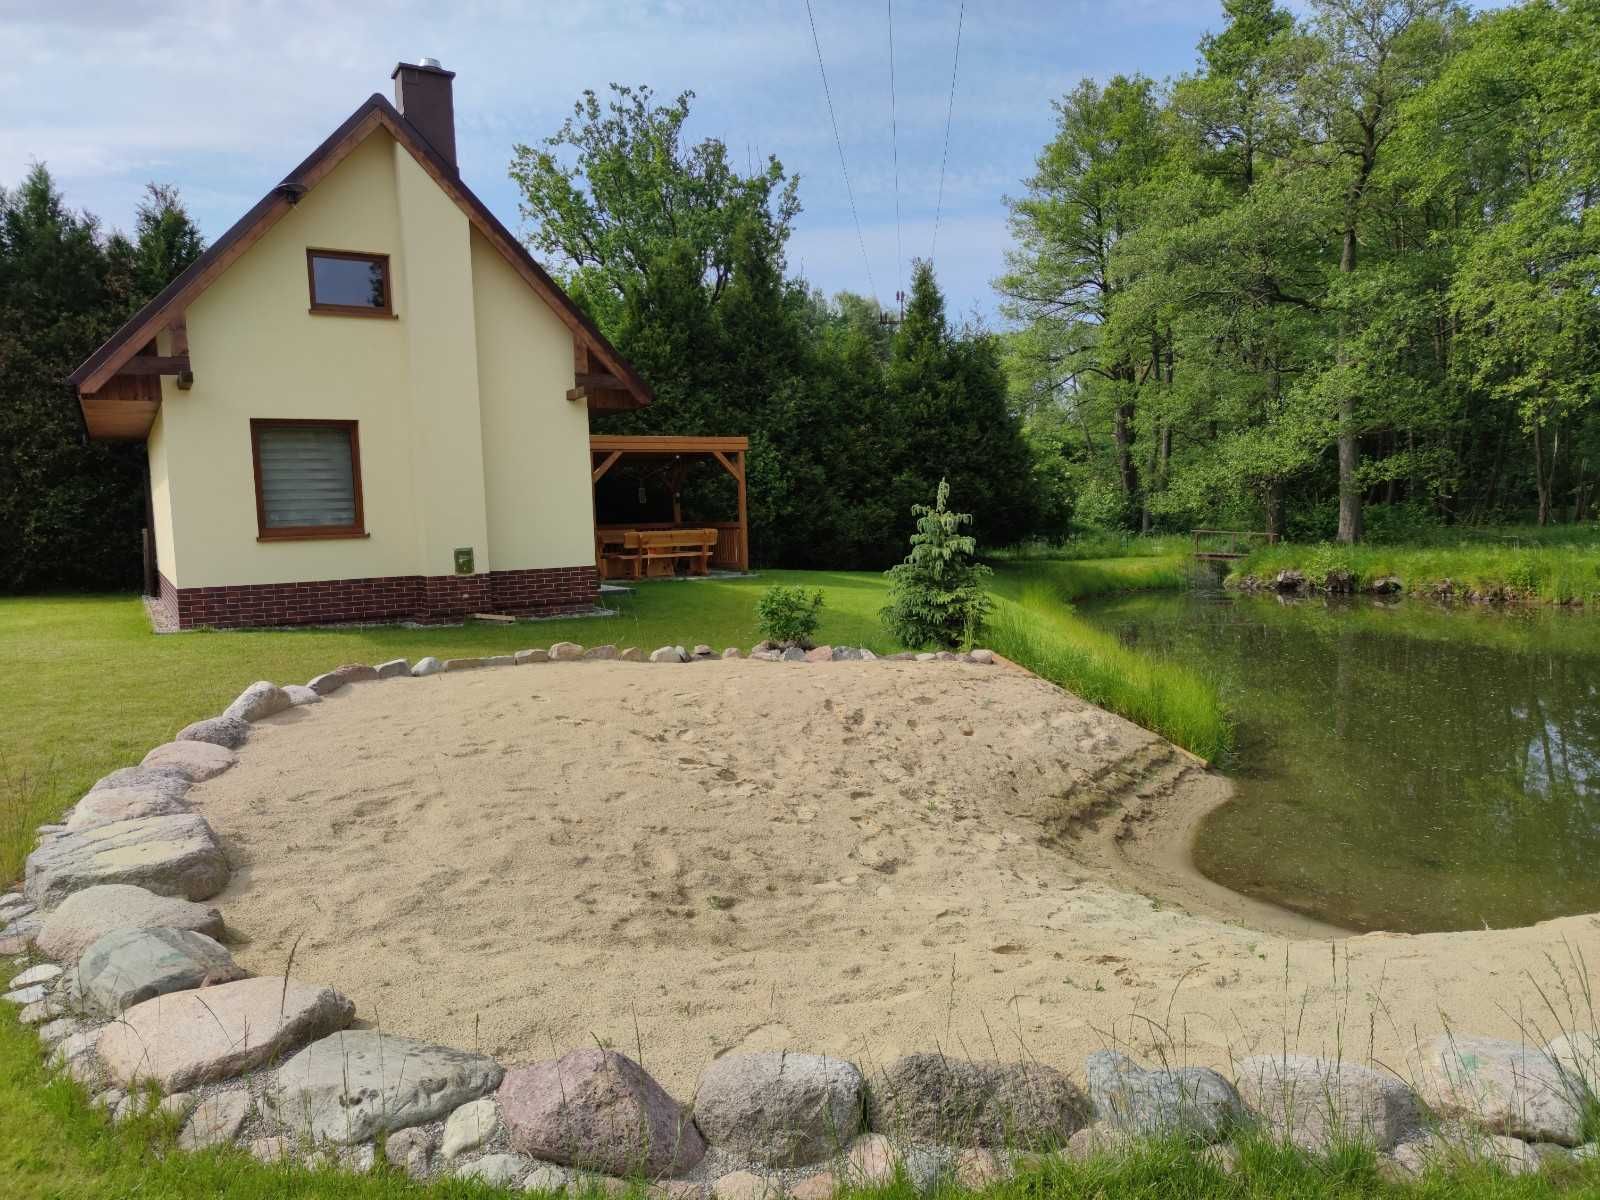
x,y
1503,1086
930,1097
261,699
1189,1101
85,916
172,855
189,1038
599,1110
351,1086
228,732
129,966
195,761
779,1109
216,1120
106,806
1316,1103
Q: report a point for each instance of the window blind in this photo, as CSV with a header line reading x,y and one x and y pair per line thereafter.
x,y
306,476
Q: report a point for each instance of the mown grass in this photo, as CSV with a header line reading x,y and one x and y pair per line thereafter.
x,y
1566,572
1034,624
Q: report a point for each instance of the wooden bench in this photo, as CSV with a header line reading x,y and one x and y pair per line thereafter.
x,y
617,554
662,549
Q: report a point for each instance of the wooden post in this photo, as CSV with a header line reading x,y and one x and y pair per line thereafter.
x,y
744,520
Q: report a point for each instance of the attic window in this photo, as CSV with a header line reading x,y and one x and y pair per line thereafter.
x,y
308,479
354,285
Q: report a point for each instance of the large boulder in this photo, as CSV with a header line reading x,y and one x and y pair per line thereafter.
x,y
1504,1087
129,966
163,779
195,761
106,806
599,1110
84,916
228,732
354,1085
1578,1056
930,1097
188,1038
779,1109
1317,1103
173,855
261,699
1187,1101
332,681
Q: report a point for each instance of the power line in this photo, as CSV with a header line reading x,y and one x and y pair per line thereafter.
x,y
894,139
821,70
949,112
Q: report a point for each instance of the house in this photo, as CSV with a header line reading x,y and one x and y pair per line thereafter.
x,y
365,401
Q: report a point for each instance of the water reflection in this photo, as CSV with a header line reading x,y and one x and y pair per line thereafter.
x,y
1399,766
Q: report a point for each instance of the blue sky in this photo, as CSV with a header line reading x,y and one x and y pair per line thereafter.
x,y
223,98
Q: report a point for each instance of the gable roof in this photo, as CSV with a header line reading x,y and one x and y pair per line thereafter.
x,y
106,362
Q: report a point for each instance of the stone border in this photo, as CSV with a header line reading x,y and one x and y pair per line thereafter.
x,y
140,999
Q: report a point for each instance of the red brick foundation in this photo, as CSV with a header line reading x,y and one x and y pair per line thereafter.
x,y
548,591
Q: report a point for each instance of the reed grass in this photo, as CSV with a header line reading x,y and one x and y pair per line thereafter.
x,y
1035,624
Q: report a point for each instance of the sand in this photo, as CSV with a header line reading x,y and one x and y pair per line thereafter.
x,y
863,859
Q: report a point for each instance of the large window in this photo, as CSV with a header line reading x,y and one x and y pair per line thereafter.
x,y
308,479
350,284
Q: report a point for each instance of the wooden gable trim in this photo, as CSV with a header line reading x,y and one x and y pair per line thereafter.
x,y
168,307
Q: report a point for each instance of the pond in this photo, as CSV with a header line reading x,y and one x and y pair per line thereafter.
x,y
1398,766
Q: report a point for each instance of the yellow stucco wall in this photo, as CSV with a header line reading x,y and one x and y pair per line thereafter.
x,y
535,440
440,468
161,501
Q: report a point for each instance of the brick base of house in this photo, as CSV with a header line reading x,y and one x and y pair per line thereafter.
x,y
438,599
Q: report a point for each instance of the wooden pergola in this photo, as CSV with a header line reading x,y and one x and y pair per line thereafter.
x,y
733,538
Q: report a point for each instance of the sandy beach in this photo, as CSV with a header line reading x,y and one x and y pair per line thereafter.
x,y
864,859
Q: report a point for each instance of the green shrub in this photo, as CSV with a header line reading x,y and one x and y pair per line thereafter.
x,y
788,615
937,595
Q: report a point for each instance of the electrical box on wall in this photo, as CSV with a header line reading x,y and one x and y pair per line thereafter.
x,y
463,560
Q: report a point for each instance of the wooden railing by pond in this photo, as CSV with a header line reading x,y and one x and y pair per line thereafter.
x,y
1225,545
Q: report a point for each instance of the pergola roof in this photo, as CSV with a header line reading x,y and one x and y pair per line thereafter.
x,y
665,444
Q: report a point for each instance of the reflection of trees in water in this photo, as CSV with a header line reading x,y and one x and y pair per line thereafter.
x,y
1429,769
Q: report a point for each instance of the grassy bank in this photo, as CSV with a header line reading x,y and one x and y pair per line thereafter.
x,y
1034,624
1504,568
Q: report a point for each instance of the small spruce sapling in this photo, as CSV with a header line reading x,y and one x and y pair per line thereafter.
x,y
937,595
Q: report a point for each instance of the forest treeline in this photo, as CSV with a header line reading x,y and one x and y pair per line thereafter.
x,y
1345,274
1340,280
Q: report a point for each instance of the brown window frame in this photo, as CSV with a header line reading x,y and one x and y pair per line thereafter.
x,y
304,533
349,310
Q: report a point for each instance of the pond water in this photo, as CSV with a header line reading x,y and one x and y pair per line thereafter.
x,y
1398,766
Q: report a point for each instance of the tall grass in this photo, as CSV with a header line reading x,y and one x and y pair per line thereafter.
x,y
1094,543
1553,574
1034,624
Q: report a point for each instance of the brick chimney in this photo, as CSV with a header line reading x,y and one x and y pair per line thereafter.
x,y
422,93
